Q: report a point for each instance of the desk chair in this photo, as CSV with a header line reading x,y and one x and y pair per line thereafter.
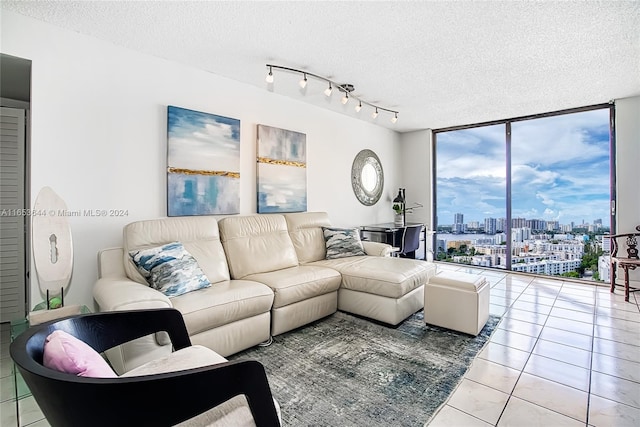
x,y
410,241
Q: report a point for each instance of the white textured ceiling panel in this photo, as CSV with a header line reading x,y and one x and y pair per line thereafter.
x,y
440,63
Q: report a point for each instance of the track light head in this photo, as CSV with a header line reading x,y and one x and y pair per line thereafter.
x,y
303,82
394,119
328,90
375,113
345,99
359,107
269,78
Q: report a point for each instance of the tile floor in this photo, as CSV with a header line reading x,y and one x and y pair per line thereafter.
x,y
565,353
25,411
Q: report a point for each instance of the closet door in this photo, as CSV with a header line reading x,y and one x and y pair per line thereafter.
x,y
12,215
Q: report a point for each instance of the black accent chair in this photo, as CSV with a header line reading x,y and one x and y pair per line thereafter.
x,y
410,241
153,400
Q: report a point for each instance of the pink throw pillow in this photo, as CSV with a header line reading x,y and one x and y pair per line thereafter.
x,y
66,353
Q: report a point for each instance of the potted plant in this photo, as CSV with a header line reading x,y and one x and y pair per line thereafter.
x,y
398,219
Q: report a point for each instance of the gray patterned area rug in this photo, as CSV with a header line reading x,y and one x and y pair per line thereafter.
x,y
347,371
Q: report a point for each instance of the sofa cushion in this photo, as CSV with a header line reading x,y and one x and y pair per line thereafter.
x,y
199,235
256,244
342,242
65,353
170,269
385,276
234,412
296,284
223,303
305,229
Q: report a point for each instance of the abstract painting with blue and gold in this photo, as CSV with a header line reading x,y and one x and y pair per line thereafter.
x,y
282,170
203,163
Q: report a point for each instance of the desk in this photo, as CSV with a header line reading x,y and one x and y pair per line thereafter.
x,y
391,234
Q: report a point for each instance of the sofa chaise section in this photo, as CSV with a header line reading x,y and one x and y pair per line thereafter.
x,y
383,288
259,248
229,316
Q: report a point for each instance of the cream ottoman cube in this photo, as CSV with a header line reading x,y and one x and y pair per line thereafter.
x,y
458,301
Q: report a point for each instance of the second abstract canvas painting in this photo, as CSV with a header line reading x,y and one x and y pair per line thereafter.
x,y
282,170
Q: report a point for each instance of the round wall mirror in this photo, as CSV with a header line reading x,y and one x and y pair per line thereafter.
x,y
367,178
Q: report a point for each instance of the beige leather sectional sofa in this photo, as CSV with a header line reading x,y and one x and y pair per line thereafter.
x,y
269,275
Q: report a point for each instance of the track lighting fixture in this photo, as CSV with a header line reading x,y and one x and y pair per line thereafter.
x,y
269,78
342,87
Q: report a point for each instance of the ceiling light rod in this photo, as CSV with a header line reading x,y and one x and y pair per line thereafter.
x,y
343,87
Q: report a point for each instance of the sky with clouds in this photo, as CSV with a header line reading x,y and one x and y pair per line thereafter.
x,y
559,171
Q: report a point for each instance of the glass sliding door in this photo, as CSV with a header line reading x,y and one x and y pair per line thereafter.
x,y
560,193
471,196
529,194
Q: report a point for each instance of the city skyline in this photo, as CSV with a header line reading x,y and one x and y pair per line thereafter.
x,y
482,221
559,167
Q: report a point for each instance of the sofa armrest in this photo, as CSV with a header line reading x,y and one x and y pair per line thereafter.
x,y
377,248
120,293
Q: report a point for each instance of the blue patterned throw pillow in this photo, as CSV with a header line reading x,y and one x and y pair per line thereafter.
x,y
342,242
170,269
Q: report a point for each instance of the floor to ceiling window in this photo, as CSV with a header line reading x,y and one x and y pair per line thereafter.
x,y
529,194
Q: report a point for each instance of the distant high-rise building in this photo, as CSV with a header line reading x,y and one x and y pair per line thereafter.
x,y
518,222
520,234
458,223
501,224
536,224
490,225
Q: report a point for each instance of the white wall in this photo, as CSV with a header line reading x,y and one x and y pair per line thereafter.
x,y
415,174
99,137
627,164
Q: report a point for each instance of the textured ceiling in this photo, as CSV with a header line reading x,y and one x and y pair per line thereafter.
x,y
440,63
